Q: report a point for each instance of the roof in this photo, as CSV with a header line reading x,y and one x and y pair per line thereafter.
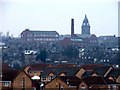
x,y
5,66
95,80
87,73
67,65
90,66
9,75
101,71
68,80
72,80
41,32
44,32
38,67
114,73
68,71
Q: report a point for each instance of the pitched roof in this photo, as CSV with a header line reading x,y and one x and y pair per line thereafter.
x,y
38,67
67,65
114,73
71,80
108,81
5,66
69,71
101,71
87,73
90,66
95,80
9,75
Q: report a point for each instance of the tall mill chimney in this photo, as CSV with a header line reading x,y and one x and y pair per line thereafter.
x,y
72,27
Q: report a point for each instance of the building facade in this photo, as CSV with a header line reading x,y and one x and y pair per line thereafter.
x,y
39,36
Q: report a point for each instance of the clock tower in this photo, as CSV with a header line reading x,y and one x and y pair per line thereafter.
x,y
85,26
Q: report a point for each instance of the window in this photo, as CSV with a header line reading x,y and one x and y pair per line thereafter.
x,y
44,78
6,83
56,35
34,35
28,39
51,77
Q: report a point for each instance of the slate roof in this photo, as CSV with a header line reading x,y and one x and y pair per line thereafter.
x,y
114,73
90,66
5,66
69,71
66,65
101,71
94,80
87,73
72,80
9,75
38,67
44,32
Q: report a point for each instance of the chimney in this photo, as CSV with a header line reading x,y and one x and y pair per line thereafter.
x,y
68,82
72,27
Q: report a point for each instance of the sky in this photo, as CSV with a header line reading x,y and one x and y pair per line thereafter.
x,y
18,15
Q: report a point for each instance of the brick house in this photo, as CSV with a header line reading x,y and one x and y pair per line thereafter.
x,y
47,72
98,83
22,80
114,75
14,79
63,83
86,68
86,83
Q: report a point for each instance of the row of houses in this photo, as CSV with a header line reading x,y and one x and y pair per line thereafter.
x,y
61,77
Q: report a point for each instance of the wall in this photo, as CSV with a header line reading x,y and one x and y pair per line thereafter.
x,y
20,79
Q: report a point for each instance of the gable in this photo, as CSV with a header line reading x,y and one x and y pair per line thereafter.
x,y
83,85
56,83
22,77
62,74
118,79
94,74
111,78
51,74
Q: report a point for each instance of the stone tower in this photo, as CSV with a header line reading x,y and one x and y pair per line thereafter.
x,y
85,26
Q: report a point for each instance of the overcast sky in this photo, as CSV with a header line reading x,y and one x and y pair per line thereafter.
x,y
17,15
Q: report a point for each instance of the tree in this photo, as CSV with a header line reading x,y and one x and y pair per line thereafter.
x,y
71,52
42,56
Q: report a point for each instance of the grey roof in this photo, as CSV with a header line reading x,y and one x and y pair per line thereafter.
x,y
114,73
44,32
69,71
101,70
